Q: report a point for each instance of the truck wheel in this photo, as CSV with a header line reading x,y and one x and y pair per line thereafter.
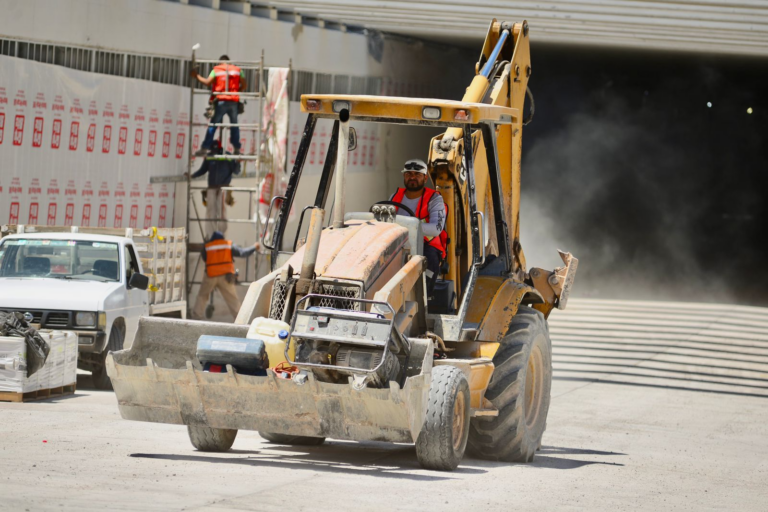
x,y
520,390
289,439
443,438
99,373
207,439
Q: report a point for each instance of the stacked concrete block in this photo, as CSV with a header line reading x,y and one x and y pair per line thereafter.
x,y
60,369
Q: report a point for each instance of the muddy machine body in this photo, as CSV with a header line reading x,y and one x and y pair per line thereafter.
x,y
364,356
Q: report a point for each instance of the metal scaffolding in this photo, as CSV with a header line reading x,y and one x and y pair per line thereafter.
x,y
257,75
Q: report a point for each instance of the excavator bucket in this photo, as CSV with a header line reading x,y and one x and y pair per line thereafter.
x,y
159,379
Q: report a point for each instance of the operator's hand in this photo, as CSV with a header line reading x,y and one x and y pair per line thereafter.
x,y
257,245
193,73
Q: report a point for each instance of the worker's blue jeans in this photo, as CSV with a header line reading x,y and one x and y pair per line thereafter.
x,y
230,109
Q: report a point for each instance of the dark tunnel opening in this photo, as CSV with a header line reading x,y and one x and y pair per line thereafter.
x,y
651,168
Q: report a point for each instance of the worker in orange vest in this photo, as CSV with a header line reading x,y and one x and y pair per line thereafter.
x,y
427,204
227,80
219,254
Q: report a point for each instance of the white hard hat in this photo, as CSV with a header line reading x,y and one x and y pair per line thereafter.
x,y
415,165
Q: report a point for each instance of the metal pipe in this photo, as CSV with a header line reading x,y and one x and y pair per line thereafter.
x,y
341,169
312,245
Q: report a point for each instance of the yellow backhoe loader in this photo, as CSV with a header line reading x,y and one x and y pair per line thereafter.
x,y
361,354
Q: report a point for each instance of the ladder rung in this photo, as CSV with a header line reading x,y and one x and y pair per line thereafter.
x,y
236,221
238,63
232,157
242,94
228,125
234,189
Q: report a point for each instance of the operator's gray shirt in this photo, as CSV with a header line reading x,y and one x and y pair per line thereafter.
x,y
436,222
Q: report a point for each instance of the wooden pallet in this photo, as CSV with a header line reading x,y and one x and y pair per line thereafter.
x,y
40,394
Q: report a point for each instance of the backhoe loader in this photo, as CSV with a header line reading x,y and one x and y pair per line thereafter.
x,y
364,355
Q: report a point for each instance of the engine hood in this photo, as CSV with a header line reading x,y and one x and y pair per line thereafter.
x,y
359,251
62,294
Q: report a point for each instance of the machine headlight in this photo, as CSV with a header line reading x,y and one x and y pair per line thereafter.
x,y
431,113
340,105
85,319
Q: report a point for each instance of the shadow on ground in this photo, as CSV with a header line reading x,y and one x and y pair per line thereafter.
x,y
376,459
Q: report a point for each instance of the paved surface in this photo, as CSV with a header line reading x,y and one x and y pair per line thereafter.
x,y
655,407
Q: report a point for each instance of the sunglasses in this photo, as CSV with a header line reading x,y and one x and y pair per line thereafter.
x,y
413,166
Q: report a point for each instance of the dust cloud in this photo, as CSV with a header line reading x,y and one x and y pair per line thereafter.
x,y
655,192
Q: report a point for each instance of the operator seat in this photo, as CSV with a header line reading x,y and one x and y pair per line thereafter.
x,y
105,268
37,266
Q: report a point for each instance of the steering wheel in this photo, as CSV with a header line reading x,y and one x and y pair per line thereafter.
x,y
89,271
394,203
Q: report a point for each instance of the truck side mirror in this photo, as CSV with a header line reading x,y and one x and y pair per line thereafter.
x,y
139,281
352,139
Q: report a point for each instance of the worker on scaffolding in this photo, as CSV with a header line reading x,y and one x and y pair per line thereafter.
x,y
227,81
220,173
218,254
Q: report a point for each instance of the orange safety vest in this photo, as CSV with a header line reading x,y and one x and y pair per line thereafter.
x,y
218,258
422,212
227,79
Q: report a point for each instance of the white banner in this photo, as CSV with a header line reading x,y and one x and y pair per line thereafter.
x,y
363,159
79,148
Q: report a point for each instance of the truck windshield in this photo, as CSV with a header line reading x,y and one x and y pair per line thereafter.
x,y
60,259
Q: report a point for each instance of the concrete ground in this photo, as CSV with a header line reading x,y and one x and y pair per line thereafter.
x,y
654,407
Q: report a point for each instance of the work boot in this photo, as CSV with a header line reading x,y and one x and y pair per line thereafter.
x,y
202,152
236,151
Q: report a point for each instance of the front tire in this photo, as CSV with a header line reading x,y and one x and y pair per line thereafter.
x,y
443,438
520,390
99,374
207,439
293,440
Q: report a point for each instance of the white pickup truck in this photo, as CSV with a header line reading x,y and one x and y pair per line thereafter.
x,y
96,282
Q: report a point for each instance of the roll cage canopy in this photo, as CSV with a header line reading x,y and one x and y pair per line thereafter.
x,y
475,117
419,111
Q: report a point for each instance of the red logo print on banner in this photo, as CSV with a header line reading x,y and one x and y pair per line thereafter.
x,y
107,139
312,152
86,221
37,133
134,215
14,213
180,144
161,215
103,216
2,126
91,140
138,139
118,216
52,214
122,140
69,214
195,140
56,135
74,134
166,144
33,212
18,130
148,216
152,143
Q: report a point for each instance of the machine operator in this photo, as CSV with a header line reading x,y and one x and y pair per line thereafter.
x,y
429,207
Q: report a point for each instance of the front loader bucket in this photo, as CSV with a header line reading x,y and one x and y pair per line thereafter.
x,y
159,379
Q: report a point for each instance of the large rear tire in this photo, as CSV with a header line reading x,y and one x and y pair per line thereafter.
x,y
207,439
520,390
443,438
99,374
289,439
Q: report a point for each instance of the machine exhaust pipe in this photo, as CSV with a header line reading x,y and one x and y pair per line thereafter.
x,y
341,169
311,248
